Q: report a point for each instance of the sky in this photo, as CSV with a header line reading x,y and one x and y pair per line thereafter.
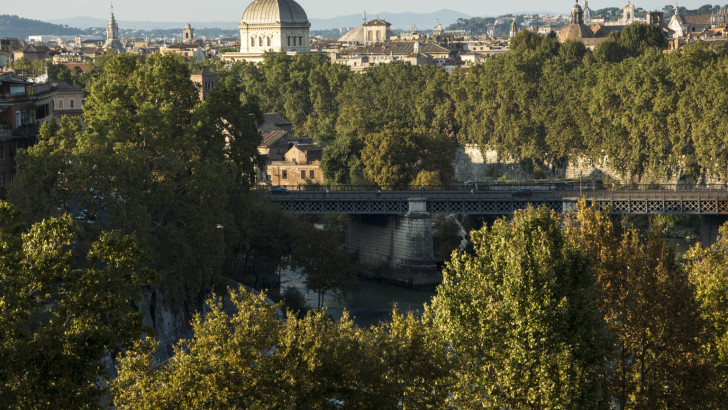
x,y
226,10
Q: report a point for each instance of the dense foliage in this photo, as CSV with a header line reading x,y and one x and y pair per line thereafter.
x,y
521,316
252,359
544,312
156,163
63,313
627,101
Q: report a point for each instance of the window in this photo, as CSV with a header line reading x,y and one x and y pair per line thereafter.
x,y
312,174
2,152
72,103
284,174
268,40
252,41
289,41
300,40
260,42
60,103
303,174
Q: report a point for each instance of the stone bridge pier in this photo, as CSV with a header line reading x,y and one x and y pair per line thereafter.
x,y
395,248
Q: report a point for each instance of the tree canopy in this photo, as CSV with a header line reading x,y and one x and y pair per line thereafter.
x,y
63,314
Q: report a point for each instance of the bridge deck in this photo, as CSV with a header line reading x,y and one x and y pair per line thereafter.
x,y
681,202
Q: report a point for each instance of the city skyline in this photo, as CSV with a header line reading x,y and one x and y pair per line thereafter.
x,y
223,10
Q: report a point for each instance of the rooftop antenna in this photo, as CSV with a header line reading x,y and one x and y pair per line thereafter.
x,y
364,17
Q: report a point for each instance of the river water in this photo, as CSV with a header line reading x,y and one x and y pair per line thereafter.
x,y
371,302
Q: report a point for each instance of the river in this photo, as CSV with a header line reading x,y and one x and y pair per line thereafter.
x,y
371,302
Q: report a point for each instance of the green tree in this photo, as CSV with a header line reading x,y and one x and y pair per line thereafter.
x,y
324,263
650,308
637,37
521,318
63,314
708,272
399,157
157,163
253,359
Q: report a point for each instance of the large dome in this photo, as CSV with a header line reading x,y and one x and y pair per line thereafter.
x,y
274,11
575,32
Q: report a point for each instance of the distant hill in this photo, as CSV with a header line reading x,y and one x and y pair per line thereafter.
x,y
88,22
18,27
401,21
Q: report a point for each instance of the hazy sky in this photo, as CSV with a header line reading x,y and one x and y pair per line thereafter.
x,y
226,10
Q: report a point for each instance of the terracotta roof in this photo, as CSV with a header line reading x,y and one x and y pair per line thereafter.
x,y
71,66
399,48
307,147
30,48
184,46
604,31
270,137
696,19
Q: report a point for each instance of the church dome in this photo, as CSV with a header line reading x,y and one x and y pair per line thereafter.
x,y
575,32
274,11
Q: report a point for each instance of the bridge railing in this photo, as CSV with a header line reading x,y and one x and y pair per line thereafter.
x,y
568,185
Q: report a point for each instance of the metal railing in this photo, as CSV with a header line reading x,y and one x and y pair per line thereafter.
x,y
567,185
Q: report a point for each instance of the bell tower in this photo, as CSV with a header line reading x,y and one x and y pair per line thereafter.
x,y
188,34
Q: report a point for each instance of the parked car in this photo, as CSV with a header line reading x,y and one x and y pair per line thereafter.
x,y
277,189
523,193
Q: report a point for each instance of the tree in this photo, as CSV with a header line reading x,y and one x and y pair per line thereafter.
x,y
637,37
325,264
154,162
63,314
708,272
650,308
521,318
252,358
398,157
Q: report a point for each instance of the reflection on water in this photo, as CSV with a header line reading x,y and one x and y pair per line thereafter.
x,y
369,302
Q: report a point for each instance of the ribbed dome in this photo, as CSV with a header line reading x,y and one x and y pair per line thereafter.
x,y
274,11
575,32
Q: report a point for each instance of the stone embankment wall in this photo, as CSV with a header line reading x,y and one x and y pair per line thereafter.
x,y
169,325
472,164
